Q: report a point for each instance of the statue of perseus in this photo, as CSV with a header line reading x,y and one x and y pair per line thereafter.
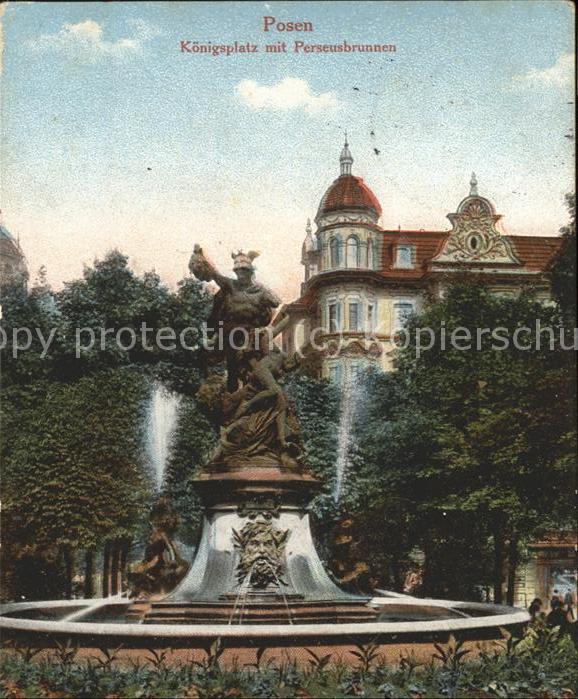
x,y
256,558
256,418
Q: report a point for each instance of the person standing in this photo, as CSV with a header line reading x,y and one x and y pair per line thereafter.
x,y
558,616
554,599
535,608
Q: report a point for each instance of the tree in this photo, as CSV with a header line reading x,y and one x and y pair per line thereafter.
x,y
564,266
28,319
502,420
75,476
194,439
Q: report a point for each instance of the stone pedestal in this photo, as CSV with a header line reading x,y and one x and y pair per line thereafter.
x,y
256,561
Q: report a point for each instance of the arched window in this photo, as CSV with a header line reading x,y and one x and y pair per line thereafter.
x,y
352,252
334,253
370,254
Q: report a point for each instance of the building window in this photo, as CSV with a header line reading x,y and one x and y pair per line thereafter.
x,y
401,312
404,257
356,370
334,253
334,317
371,316
370,254
352,252
354,317
335,373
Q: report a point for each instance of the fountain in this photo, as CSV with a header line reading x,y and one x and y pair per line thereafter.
x,y
161,424
256,580
350,400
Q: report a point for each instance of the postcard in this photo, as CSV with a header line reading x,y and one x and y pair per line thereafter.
x,y
288,334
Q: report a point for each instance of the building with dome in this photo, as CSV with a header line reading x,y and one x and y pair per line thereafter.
x,y
363,280
13,268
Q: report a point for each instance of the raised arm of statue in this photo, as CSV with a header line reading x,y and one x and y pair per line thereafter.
x,y
205,271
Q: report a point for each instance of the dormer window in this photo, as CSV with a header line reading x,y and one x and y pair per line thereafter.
x,y
404,257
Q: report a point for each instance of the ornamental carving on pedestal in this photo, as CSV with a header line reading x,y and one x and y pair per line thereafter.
x,y
262,550
474,237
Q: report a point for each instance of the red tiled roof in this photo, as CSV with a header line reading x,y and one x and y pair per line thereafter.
x,y
349,192
426,245
535,252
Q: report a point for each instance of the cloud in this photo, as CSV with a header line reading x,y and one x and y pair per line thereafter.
x,y
84,41
287,94
561,74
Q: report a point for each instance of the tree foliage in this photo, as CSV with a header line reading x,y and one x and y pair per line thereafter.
x,y
473,443
194,439
73,421
564,267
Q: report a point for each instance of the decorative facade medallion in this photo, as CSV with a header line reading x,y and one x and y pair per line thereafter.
x,y
262,550
375,350
353,348
474,237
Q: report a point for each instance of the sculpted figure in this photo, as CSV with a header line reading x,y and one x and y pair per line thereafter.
x,y
258,423
255,417
261,549
162,568
240,308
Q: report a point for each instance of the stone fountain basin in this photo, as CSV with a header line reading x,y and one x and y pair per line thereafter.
x,y
403,620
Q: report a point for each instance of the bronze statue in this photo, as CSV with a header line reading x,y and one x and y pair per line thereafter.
x,y
257,422
240,309
162,568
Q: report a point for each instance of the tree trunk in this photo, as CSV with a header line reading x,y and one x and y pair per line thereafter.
x,y
89,573
498,565
122,566
106,570
68,570
398,578
114,569
512,569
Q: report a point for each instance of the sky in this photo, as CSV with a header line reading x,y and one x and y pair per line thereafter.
x,y
112,137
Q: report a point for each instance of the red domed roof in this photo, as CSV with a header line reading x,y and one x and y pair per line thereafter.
x,y
349,192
